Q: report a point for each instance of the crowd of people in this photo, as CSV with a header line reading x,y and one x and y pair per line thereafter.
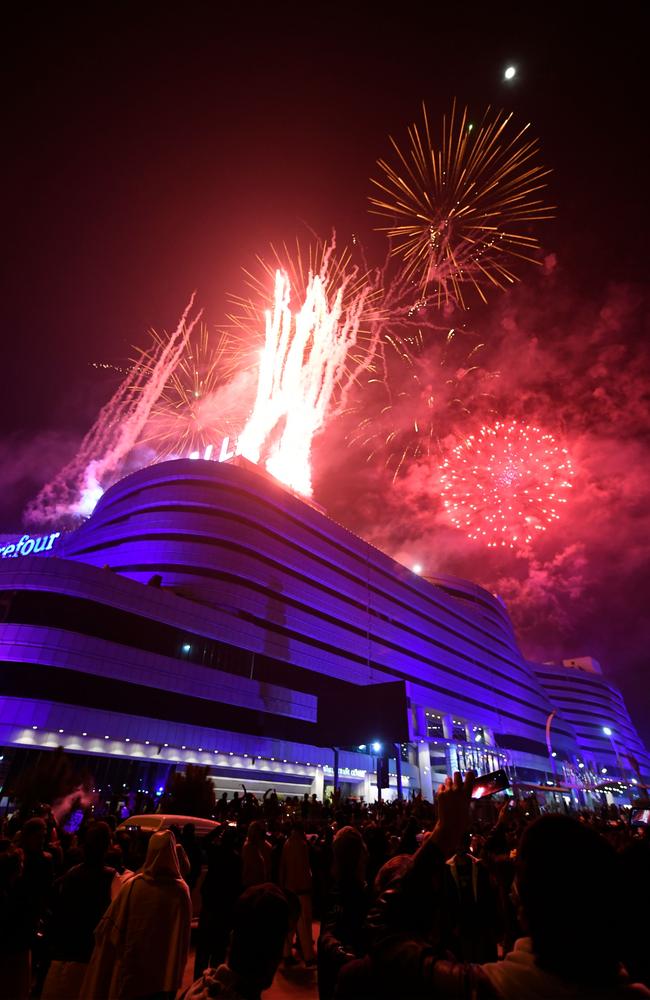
x,y
412,900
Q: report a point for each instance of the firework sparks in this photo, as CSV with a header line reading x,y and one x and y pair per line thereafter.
x,y
505,484
77,487
198,406
429,387
303,376
336,271
459,213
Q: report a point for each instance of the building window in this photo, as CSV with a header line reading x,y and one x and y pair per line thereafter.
x,y
434,726
459,730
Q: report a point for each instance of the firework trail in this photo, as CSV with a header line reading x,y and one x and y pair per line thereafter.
x,y
459,213
304,375
77,487
504,484
205,399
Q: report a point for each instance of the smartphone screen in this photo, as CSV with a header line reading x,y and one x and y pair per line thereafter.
x,y
640,817
488,784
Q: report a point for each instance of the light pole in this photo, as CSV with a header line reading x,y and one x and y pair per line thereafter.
x,y
610,733
549,747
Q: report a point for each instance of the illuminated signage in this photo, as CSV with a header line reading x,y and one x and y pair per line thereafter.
x,y
27,546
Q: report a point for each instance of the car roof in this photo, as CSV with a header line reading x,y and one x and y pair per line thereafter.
x,y
163,821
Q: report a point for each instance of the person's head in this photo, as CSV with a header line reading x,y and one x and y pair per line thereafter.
x,y
350,856
114,858
97,843
189,833
260,924
162,860
229,837
298,831
569,892
256,832
33,834
391,870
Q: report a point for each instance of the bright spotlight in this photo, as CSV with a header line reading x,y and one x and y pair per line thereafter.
x,y
607,731
510,73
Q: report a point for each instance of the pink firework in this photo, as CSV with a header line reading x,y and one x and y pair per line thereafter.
x,y
505,483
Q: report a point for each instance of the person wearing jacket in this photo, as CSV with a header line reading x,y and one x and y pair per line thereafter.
x,y
568,897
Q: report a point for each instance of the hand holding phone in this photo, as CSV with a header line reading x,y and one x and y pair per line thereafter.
x,y
490,784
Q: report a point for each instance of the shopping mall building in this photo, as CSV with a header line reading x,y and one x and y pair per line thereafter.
x,y
205,614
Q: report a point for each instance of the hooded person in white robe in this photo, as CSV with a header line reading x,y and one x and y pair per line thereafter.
x,y
142,941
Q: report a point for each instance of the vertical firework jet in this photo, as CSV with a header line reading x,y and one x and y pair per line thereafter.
x,y
78,486
303,376
504,484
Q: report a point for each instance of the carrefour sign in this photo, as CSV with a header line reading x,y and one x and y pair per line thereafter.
x,y
27,546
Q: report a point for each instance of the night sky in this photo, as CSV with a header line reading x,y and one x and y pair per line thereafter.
x,y
150,150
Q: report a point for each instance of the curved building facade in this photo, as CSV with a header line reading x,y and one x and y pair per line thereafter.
x,y
607,742
203,613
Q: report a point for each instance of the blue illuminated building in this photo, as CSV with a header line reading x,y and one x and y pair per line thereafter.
x,y
204,614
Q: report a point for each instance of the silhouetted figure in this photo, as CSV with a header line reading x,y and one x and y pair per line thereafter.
x,y
261,922
79,900
219,894
16,927
342,934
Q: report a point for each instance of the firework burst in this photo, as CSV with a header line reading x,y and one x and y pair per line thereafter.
x,y
459,213
429,386
195,410
505,483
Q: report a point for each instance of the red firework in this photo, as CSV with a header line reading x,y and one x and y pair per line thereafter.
x,y
505,483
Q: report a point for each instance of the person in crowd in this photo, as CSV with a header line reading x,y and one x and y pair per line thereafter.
x,y
220,891
256,856
115,859
194,854
635,882
16,926
183,860
142,941
270,805
261,923
296,878
79,900
471,903
36,880
342,934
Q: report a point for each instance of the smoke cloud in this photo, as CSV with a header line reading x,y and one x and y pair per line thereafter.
x,y
579,368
